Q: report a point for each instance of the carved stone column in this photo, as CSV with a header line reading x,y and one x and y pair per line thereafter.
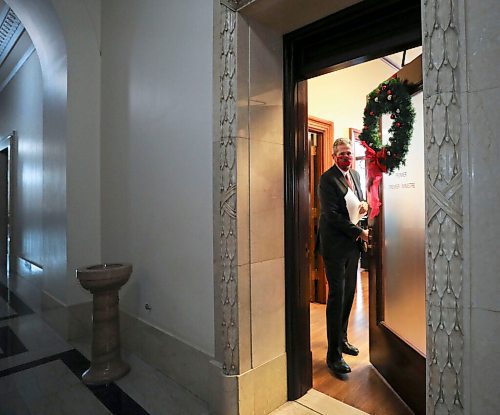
x,y
443,61
235,4
228,238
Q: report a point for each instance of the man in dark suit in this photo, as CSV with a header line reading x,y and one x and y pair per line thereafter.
x,y
340,245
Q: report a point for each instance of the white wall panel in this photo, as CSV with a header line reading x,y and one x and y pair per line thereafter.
x,y
157,104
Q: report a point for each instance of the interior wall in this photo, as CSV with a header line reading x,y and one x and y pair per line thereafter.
x,y
341,96
66,36
157,112
481,155
41,22
81,25
21,110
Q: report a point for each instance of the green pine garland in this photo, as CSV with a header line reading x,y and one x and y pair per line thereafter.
x,y
392,97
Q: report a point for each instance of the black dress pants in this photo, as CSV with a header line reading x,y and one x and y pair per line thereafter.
x,y
341,273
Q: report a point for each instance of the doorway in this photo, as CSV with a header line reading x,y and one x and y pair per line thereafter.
x,y
6,202
340,96
358,34
4,210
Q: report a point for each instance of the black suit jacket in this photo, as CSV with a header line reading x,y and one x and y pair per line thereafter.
x,y
337,235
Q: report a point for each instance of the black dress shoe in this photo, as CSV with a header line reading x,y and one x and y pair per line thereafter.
x,y
338,366
348,348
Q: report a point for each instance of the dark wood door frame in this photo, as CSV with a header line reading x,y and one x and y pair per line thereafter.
x,y
324,130
365,31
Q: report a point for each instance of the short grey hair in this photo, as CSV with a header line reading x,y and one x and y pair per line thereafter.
x,y
340,141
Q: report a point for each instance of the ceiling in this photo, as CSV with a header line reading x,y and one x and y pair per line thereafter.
x,y
10,30
11,44
287,15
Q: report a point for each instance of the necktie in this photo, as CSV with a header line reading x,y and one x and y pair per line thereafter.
x,y
349,181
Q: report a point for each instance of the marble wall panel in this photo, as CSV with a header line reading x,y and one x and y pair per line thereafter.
x,y
263,389
270,386
266,65
268,310
243,81
244,317
485,361
243,200
266,201
483,44
484,150
266,122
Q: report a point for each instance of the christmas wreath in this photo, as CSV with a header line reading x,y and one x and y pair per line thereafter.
x,y
390,97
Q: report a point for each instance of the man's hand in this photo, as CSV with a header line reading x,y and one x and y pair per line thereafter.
x,y
363,208
364,235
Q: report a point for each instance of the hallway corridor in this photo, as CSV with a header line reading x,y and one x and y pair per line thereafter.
x,y
40,372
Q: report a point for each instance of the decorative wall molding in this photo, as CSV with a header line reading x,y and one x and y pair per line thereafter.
x,y
444,210
235,4
228,239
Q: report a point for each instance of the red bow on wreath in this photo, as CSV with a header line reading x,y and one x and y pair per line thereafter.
x,y
375,169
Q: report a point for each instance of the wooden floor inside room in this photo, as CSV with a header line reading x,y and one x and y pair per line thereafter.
x,y
363,388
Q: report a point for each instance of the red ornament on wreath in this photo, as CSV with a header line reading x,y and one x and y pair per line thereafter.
x,y
391,97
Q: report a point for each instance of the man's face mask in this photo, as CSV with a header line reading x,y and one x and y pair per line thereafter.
x,y
343,158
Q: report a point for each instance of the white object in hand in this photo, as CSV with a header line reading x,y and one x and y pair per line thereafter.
x,y
352,202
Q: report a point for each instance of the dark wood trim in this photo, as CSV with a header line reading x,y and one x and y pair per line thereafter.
x,y
297,290
395,360
367,30
325,127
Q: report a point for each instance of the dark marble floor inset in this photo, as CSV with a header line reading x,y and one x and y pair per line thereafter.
x,y
16,306
9,343
111,396
6,311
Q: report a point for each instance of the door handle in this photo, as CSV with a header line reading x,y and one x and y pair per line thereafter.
x,y
370,238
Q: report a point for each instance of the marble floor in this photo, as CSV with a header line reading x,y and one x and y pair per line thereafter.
x,y
40,373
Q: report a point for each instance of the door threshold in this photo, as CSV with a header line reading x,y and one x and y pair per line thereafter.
x,y
314,403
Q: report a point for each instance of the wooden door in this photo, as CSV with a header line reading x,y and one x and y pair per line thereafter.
x,y
396,358
320,133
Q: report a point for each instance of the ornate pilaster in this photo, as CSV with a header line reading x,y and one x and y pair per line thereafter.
x,y
235,4
444,209
228,246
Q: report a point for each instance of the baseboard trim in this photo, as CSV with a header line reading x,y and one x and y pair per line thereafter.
x,y
260,390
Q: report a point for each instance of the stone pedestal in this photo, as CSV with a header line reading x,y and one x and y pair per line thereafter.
x,y
104,281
